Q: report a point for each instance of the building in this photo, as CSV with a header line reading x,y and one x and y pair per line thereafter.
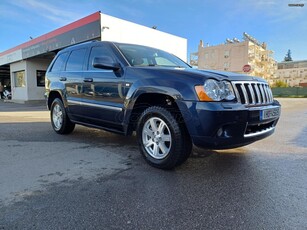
x,y
24,66
294,73
247,56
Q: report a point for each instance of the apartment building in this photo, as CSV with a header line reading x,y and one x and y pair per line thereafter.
x,y
294,73
247,56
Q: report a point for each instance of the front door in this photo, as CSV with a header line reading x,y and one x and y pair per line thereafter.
x,y
102,92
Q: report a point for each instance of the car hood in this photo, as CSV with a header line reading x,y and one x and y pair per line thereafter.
x,y
231,76
195,74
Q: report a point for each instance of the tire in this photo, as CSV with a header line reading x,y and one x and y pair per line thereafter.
x,y
59,119
163,141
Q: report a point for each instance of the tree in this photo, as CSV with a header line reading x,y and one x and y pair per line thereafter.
x,y
288,56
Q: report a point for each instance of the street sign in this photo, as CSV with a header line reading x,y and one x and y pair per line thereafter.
x,y
247,68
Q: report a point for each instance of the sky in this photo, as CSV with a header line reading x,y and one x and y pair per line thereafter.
x,y
270,21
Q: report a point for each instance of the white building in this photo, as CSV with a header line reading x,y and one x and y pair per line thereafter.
x,y
24,66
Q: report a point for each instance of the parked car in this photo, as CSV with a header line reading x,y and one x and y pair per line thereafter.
x,y
124,88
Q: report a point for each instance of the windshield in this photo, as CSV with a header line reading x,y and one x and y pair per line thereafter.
x,y
145,56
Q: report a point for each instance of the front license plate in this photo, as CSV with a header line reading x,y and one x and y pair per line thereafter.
x,y
269,113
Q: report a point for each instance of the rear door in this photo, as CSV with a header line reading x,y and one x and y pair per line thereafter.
x,y
55,72
103,91
73,78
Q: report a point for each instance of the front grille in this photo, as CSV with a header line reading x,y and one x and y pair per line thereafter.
x,y
253,92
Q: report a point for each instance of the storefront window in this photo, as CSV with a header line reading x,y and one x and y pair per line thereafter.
x,y
19,79
40,76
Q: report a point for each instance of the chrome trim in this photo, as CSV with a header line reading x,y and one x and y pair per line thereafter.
x,y
258,94
263,107
262,93
95,105
94,71
244,93
266,93
99,71
271,95
252,92
259,133
236,92
250,87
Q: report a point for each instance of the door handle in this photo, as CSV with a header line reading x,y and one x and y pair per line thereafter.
x,y
88,79
63,78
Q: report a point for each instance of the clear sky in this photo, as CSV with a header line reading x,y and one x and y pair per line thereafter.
x,y
271,21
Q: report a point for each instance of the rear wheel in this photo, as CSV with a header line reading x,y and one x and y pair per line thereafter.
x,y
59,119
163,141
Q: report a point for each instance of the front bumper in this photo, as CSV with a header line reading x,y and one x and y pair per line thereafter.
x,y
220,125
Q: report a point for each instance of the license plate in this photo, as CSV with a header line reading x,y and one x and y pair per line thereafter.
x,y
269,113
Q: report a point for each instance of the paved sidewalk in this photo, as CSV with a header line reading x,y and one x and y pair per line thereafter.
x,y
6,105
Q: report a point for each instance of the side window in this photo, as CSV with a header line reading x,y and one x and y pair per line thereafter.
x,y
98,51
76,60
58,65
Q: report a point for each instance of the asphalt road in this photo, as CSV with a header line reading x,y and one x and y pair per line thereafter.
x,y
92,179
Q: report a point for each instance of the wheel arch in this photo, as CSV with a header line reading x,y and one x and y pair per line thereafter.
x,y
52,95
148,99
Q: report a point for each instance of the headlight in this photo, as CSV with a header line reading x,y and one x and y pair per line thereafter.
x,y
214,90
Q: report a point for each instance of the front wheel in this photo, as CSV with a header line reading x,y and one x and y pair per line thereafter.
x,y
59,119
163,141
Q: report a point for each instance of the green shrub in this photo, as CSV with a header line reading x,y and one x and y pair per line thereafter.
x,y
280,84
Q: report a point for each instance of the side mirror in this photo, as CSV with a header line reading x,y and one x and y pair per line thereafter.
x,y
105,62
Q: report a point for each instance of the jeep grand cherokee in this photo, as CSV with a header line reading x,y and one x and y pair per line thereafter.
x,y
124,88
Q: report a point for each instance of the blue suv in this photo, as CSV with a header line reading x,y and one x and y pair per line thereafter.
x,y
124,88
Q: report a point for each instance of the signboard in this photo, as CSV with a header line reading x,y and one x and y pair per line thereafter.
x,y
84,33
85,29
11,57
247,68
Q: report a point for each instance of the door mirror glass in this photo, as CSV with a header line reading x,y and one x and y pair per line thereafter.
x,y
105,62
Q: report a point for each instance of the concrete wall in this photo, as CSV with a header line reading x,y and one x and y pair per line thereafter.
x,y
293,73
118,30
31,91
19,93
293,76
35,92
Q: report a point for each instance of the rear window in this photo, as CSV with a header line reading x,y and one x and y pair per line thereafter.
x,y
76,60
59,62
